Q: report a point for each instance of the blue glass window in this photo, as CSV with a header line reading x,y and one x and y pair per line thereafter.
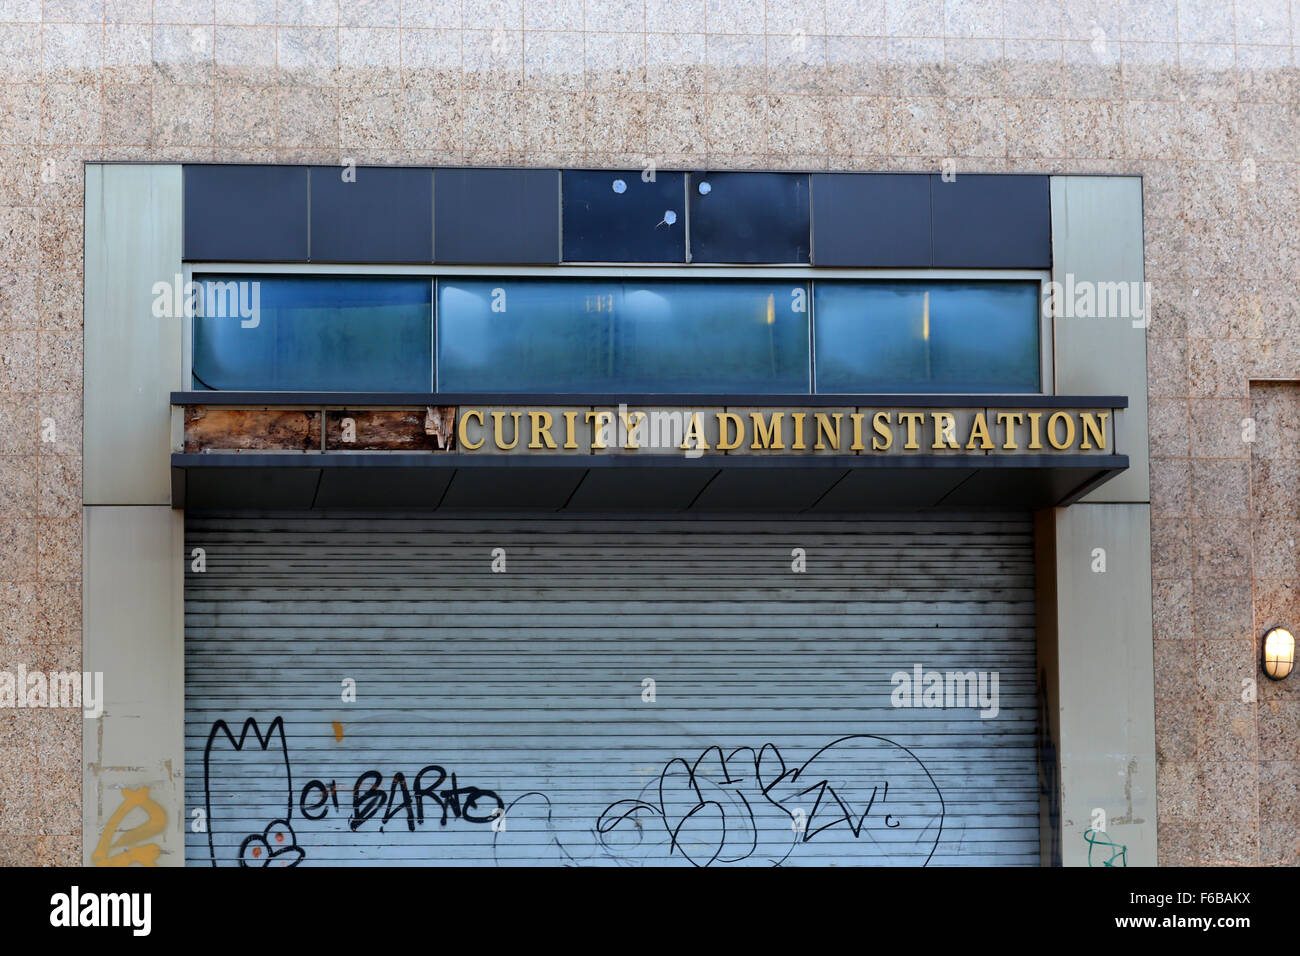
x,y
614,216
599,336
927,336
313,333
750,217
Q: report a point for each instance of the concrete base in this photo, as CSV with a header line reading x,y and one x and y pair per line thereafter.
x,y
133,756
1097,682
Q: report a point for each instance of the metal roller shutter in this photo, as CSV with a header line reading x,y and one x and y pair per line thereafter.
x,y
772,736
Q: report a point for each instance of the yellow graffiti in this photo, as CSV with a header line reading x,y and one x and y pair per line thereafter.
x,y
146,855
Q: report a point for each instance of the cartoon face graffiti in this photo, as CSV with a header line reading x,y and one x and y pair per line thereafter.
x,y
254,763
276,846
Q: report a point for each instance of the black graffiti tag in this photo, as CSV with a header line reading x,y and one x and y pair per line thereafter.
x,y
471,804
748,806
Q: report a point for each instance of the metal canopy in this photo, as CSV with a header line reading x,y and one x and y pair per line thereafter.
x,y
589,483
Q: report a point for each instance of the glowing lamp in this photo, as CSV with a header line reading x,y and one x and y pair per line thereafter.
x,y
1279,652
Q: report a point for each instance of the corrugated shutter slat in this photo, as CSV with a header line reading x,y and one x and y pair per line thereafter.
x,y
771,739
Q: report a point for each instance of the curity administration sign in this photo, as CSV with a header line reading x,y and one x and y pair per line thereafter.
x,y
775,431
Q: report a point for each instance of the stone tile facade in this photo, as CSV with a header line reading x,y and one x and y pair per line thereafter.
x,y
1202,97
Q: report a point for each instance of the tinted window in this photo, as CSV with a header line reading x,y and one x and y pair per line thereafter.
x,y
871,220
927,337
496,215
992,222
616,217
246,213
313,333
749,217
595,336
376,215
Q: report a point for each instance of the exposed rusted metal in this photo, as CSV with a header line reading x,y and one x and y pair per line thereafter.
x,y
431,428
253,429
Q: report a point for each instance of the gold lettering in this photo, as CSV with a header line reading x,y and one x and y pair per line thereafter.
x,y
539,423
856,419
797,444
1069,430
945,435
630,424
570,430
769,434
725,420
498,419
463,436
601,419
883,430
1090,428
824,428
1009,421
695,433
913,419
1035,436
980,427
1063,428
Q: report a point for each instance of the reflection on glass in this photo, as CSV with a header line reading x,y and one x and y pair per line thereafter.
x,y
313,333
597,336
593,335
927,337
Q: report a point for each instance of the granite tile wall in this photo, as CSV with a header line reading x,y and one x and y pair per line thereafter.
x,y
1199,96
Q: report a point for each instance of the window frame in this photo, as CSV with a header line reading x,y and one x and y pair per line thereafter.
x,y
800,273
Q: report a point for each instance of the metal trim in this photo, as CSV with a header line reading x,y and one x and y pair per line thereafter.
x,y
894,400
619,269
1103,463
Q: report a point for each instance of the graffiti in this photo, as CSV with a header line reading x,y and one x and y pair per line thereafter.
x,y
276,846
267,758
714,807
749,807
1107,850
131,840
720,809
528,822
471,804
264,756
